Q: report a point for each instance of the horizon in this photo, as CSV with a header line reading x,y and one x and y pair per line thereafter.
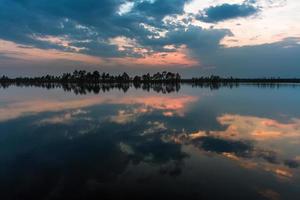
x,y
240,38
132,75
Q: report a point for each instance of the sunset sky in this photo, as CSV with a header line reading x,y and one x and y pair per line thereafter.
x,y
243,38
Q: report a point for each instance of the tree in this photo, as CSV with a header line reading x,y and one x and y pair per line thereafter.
x,y
178,77
137,79
125,77
96,76
157,77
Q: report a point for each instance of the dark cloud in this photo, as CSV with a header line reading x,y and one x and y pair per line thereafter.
x,y
220,145
292,163
161,8
196,39
85,24
227,11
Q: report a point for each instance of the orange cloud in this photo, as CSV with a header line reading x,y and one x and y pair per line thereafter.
x,y
159,59
280,172
167,59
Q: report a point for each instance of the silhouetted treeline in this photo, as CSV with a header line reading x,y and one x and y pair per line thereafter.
x,y
82,76
218,79
215,82
82,82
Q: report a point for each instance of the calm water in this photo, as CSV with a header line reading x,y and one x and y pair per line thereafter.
x,y
197,143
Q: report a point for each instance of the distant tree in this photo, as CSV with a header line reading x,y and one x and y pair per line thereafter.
x,y
125,77
75,74
164,75
88,77
96,76
103,76
178,77
137,79
170,76
157,77
66,76
146,77
82,74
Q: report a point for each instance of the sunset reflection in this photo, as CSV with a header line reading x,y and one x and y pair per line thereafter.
x,y
169,105
253,142
248,127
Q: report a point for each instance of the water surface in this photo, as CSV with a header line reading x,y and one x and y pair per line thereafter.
x,y
194,143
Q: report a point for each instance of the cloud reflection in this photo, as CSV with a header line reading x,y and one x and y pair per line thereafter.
x,y
256,128
171,104
253,142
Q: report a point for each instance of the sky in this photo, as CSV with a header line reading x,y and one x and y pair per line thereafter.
x,y
241,38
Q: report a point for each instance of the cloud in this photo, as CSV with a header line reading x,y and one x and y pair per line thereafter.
x,y
89,27
258,129
239,141
198,40
227,11
274,59
161,8
86,25
66,118
222,145
144,33
81,22
292,163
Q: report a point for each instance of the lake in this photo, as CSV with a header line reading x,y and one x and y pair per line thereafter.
x,y
240,142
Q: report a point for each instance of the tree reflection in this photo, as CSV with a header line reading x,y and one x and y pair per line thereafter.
x,y
96,88
159,87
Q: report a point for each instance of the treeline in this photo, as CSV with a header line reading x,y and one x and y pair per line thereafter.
x,y
79,84
218,79
82,76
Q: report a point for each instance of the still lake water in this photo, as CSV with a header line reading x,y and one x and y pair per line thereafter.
x,y
197,143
